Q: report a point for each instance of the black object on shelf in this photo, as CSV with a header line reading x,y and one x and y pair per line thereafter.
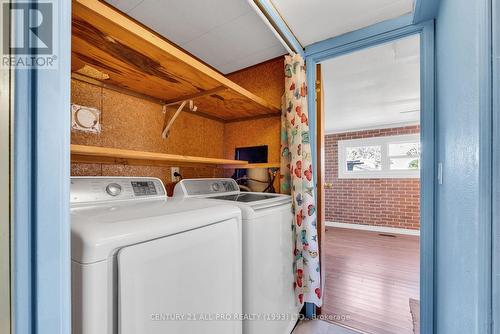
x,y
254,155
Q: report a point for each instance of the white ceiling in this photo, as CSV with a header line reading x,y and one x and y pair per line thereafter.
x,y
372,88
226,34
316,20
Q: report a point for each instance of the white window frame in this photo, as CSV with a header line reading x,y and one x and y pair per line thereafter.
x,y
385,172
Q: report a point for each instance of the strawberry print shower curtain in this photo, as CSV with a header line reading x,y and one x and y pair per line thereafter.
x,y
297,180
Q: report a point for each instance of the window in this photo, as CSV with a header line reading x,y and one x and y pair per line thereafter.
x,y
380,157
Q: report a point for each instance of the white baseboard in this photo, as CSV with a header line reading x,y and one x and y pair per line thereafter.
x,y
381,229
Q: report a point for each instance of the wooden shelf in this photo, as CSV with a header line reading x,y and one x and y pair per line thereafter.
x,y
252,166
106,155
113,48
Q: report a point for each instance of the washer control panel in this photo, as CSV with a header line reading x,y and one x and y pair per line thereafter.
x,y
198,187
144,188
103,189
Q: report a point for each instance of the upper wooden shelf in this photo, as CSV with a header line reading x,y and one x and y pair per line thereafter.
x,y
106,155
114,49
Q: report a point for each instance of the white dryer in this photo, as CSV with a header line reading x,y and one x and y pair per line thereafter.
x,y
145,264
268,294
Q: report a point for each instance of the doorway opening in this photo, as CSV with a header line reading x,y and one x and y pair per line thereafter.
x,y
371,101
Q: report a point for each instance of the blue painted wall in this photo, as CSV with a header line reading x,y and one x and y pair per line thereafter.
x,y
463,226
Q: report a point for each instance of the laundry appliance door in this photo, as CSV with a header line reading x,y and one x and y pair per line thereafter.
x,y
189,282
268,275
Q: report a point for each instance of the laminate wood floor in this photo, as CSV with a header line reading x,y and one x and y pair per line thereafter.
x,y
369,280
320,327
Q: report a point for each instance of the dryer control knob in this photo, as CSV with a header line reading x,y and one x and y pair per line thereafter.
x,y
215,186
114,189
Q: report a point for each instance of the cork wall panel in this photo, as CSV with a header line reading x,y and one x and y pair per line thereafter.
x,y
132,123
126,122
264,131
78,169
265,80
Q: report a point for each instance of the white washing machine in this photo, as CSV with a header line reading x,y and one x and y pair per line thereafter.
x,y
145,264
268,294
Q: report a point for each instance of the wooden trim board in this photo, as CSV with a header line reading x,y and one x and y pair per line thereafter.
x,y
106,155
320,171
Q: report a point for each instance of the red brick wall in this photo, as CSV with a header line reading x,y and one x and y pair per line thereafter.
x,y
379,202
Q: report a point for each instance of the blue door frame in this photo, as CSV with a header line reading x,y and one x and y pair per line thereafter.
x,y
496,171
41,160
377,34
